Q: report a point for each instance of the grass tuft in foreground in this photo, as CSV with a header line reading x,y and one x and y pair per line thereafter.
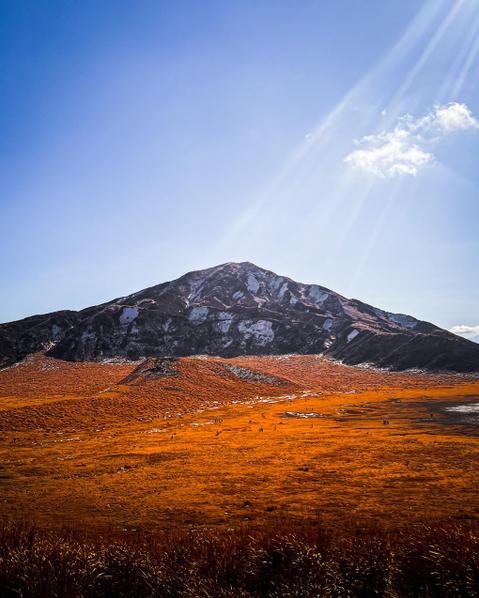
x,y
289,562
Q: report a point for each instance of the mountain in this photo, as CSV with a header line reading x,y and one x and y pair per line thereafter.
x,y
239,309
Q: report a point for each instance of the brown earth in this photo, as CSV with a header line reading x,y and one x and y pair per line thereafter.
x,y
245,441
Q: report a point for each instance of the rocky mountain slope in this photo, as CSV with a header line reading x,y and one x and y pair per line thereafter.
x,y
239,309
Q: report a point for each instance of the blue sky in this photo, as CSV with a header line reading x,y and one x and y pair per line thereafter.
x,y
140,140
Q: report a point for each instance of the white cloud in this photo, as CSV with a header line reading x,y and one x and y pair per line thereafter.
x,y
455,117
465,330
406,149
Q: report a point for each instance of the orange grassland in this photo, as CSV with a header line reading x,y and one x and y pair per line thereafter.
x,y
88,445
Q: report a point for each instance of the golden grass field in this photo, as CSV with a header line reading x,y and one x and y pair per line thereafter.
x,y
88,445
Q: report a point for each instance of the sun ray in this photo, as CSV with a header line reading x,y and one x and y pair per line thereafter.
x,y
431,23
374,234
468,64
429,49
453,84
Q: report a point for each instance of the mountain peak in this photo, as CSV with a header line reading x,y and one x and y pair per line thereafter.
x,y
232,267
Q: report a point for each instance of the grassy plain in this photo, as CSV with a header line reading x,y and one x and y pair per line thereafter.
x,y
275,439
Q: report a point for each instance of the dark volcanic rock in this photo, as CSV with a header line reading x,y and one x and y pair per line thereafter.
x,y
152,369
238,309
37,333
253,376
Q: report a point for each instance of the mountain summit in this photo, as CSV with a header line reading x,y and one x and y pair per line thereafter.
x,y
238,309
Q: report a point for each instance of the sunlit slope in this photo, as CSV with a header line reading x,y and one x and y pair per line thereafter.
x,y
201,441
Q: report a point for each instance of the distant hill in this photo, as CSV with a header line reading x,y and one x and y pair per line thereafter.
x,y
239,309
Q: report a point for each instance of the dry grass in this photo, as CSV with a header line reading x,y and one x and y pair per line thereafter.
x,y
290,562
207,483
48,394
203,448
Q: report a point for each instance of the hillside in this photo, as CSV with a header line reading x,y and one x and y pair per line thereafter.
x,y
239,309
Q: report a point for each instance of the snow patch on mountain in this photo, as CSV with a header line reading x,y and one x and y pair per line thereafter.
x,y
261,331
224,321
317,295
128,315
252,283
198,315
327,324
282,291
403,320
275,283
352,335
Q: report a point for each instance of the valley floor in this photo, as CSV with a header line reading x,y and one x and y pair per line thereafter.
x,y
244,442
